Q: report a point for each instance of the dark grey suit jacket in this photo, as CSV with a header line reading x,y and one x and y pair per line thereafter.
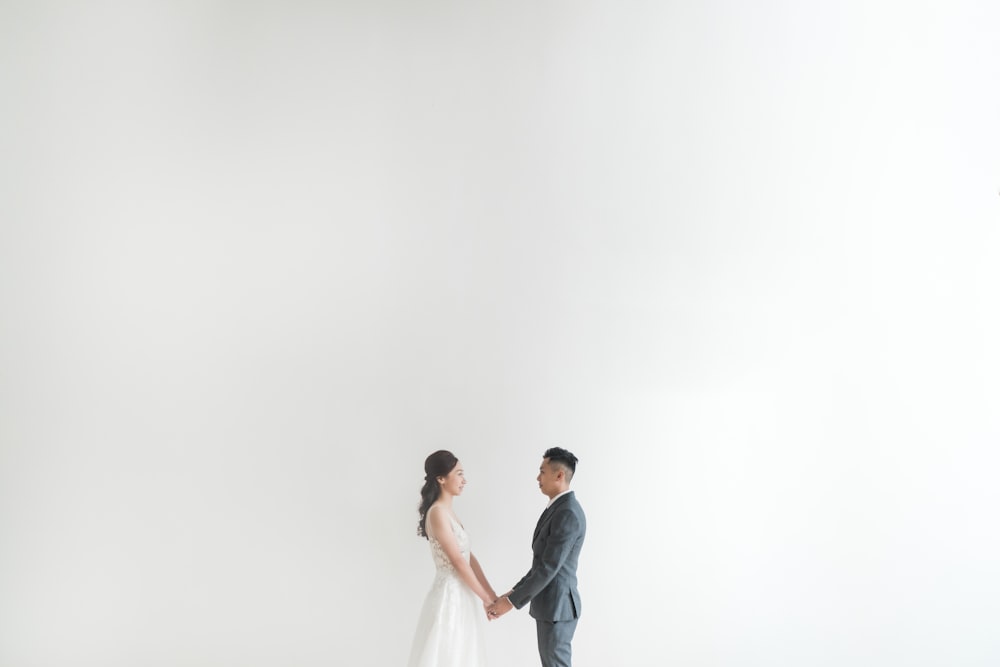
x,y
550,584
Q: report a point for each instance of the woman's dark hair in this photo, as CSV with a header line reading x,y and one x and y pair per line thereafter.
x,y
438,464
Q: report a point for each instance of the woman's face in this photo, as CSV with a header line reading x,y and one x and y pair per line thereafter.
x,y
455,481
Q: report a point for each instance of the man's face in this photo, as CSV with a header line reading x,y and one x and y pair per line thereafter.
x,y
549,478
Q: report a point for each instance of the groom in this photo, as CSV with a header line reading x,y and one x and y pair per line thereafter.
x,y
550,584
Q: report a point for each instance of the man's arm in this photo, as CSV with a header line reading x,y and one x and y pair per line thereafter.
x,y
558,547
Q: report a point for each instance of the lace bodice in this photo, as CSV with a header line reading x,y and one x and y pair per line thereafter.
x,y
441,560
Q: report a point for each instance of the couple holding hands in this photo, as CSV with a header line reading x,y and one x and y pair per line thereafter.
x,y
452,623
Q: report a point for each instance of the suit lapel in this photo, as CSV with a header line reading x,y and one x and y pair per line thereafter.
x,y
541,520
545,515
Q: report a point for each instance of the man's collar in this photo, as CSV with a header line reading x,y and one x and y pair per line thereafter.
x,y
558,497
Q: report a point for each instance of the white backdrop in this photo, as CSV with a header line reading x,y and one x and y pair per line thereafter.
x,y
258,259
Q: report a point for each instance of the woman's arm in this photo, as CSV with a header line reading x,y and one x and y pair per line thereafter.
x,y
481,576
441,530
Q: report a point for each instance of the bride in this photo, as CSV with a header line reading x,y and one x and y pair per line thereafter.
x,y
451,624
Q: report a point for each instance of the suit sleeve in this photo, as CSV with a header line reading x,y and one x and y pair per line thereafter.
x,y
565,532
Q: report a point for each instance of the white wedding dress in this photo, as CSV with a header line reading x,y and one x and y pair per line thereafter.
x,y
452,622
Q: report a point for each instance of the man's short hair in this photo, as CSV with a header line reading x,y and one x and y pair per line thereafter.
x,y
562,458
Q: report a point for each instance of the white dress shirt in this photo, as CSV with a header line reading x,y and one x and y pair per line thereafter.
x,y
557,498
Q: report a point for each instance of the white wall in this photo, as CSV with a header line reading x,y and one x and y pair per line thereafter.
x,y
258,259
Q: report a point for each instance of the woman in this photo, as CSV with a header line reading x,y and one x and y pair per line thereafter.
x,y
452,623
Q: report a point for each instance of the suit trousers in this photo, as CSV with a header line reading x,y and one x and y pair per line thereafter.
x,y
554,642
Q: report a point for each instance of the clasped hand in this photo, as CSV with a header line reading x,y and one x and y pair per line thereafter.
x,y
498,608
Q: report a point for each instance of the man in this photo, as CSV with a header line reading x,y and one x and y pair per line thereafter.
x,y
550,584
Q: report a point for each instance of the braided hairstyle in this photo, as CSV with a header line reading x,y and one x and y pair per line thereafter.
x,y
438,464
